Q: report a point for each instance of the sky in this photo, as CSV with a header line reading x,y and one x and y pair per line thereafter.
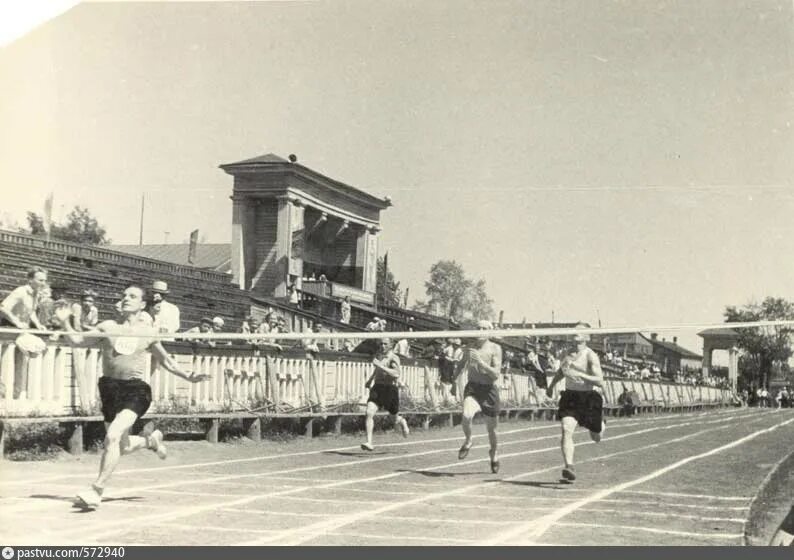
x,y
628,160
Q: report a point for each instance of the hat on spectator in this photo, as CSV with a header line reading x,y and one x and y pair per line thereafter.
x,y
206,320
160,287
218,322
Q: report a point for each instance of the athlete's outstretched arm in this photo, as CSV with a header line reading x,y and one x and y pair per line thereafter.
x,y
168,363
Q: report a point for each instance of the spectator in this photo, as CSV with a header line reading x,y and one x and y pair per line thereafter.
x,y
763,396
374,325
218,325
403,347
205,326
627,401
85,315
294,299
45,308
344,310
165,314
18,309
448,363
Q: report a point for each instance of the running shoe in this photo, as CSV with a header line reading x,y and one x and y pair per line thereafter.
x,y
568,474
464,451
495,466
367,447
90,499
155,443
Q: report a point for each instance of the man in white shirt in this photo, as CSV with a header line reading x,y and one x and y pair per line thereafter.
x,y
18,310
19,307
403,347
165,314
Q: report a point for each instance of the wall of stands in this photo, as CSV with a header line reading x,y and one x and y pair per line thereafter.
x,y
74,267
63,381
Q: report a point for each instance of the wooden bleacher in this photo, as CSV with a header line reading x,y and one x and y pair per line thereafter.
x,y
73,268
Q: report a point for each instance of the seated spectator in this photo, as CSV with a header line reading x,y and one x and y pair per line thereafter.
x,y
374,325
204,326
217,327
85,315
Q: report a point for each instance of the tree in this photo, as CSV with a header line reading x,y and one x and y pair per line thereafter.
x,y
80,227
766,349
454,296
388,288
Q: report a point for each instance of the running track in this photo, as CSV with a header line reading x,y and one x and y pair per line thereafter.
x,y
677,479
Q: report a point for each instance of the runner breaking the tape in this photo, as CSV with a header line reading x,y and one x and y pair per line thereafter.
x,y
384,391
580,403
124,394
483,362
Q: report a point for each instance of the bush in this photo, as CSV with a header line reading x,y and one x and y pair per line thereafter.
x,y
34,442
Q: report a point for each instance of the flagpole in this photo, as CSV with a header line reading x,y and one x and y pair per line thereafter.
x,y
140,237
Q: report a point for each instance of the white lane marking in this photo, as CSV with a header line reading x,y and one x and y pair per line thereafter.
x,y
722,536
400,538
552,425
663,514
346,482
193,528
539,527
249,511
295,537
684,495
112,526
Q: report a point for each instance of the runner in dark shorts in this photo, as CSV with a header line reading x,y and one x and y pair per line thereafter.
x,y
482,363
487,396
120,394
586,407
580,403
126,348
385,397
384,391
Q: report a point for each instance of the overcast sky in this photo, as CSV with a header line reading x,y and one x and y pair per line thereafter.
x,y
631,157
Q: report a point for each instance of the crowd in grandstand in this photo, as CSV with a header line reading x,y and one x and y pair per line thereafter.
x,y
33,305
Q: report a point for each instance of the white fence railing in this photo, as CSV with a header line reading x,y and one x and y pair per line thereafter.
x,y
63,380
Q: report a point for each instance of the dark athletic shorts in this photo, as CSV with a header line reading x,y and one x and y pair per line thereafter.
x,y
585,406
386,397
487,396
121,394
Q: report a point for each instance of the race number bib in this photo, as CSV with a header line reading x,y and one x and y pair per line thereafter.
x,y
125,345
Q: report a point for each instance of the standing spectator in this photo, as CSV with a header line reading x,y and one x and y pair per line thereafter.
x,y
294,299
448,365
763,396
403,347
166,314
85,315
344,310
18,309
